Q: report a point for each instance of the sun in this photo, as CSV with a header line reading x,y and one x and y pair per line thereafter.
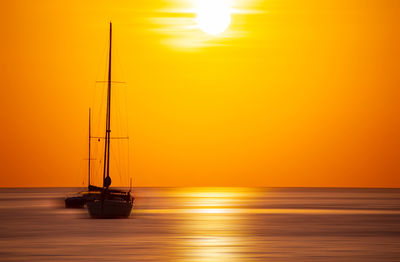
x,y
213,16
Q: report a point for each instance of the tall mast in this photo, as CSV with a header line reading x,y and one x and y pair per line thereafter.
x,y
106,174
90,138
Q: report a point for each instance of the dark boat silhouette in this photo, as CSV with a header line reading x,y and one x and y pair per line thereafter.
x,y
78,200
107,202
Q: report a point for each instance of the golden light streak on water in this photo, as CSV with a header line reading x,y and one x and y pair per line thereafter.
x,y
267,211
207,224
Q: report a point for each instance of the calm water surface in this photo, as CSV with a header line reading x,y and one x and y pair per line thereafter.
x,y
207,224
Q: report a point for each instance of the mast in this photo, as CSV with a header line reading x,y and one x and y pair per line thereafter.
x,y
106,174
90,138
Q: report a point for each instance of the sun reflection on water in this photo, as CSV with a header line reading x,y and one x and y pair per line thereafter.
x,y
210,233
209,224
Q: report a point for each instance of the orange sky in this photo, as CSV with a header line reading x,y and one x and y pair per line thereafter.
x,y
294,93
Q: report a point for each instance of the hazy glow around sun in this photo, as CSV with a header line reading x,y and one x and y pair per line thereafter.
x,y
213,16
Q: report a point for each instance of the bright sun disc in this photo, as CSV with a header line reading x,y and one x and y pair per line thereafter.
x,y
213,16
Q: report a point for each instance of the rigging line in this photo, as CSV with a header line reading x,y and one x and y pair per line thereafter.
x,y
118,105
119,153
128,164
120,117
122,92
100,109
104,53
124,161
116,111
125,109
95,164
118,60
114,148
116,137
125,86
106,173
122,146
127,131
115,162
115,82
120,160
99,145
105,68
97,108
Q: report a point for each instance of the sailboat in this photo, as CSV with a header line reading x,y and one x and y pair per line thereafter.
x,y
79,200
110,203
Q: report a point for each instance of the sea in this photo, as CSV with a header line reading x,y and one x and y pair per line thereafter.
x,y
206,224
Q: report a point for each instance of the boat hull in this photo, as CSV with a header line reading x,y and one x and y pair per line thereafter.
x,y
79,200
109,208
75,202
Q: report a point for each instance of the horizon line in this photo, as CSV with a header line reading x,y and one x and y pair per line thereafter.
x,y
316,187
